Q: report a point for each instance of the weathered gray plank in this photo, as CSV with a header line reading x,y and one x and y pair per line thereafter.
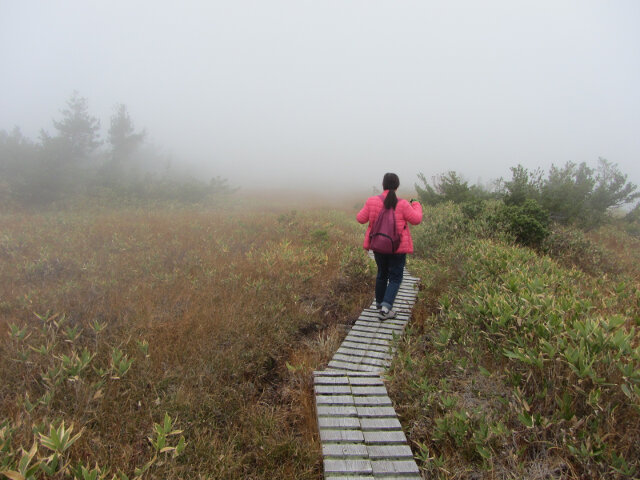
x,y
394,466
372,401
389,451
361,374
380,424
371,340
387,328
368,390
343,366
339,422
366,346
375,317
345,450
334,411
331,380
347,466
384,437
374,335
375,412
365,381
347,358
341,435
353,366
363,328
366,360
334,400
332,389
364,353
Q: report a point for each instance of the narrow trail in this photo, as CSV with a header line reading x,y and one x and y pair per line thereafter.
x,y
361,436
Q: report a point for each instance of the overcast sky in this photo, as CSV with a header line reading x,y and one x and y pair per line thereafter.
x,y
336,93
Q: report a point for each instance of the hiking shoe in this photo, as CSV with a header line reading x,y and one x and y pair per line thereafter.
x,y
386,314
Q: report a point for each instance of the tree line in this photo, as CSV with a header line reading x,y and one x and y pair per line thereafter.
x,y
528,202
74,159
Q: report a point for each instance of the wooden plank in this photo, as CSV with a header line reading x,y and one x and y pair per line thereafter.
x,y
367,346
339,422
377,338
378,362
376,319
357,332
332,389
364,328
389,451
347,358
343,366
370,339
341,435
363,353
384,327
365,381
368,390
372,401
335,379
351,375
345,450
380,424
375,412
382,467
384,437
334,400
389,332
354,367
336,411
347,466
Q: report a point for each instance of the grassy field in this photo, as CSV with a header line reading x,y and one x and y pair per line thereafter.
x,y
171,342
175,342
522,364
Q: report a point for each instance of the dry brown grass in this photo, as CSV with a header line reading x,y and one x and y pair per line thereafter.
x,y
237,310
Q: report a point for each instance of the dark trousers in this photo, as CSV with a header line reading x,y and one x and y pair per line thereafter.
x,y
390,270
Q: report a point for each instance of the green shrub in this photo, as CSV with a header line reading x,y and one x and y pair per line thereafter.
x,y
528,223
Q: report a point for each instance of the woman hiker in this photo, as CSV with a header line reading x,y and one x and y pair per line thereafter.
x,y
390,265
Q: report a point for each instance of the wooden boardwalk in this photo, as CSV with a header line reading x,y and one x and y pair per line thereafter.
x,y
361,436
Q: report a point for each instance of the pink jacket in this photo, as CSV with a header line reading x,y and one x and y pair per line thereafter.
x,y
405,213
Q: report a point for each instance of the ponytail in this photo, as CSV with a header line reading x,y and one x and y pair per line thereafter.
x,y
392,200
390,182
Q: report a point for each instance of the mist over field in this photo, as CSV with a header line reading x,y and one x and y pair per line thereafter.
x,y
330,95
179,247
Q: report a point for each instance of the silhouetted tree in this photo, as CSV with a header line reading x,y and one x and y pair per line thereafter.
x,y
77,132
123,142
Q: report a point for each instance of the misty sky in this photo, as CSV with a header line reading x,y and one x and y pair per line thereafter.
x,y
336,93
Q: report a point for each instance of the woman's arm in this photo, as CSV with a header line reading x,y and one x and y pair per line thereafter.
x,y
363,215
413,213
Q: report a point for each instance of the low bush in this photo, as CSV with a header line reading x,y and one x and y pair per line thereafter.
x,y
518,367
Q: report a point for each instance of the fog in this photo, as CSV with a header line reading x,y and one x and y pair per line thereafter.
x,y
332,94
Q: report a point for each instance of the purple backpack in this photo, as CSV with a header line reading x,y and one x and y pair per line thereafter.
x,y
383,237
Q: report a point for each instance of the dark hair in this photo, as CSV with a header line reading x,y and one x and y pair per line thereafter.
x,y
390,182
